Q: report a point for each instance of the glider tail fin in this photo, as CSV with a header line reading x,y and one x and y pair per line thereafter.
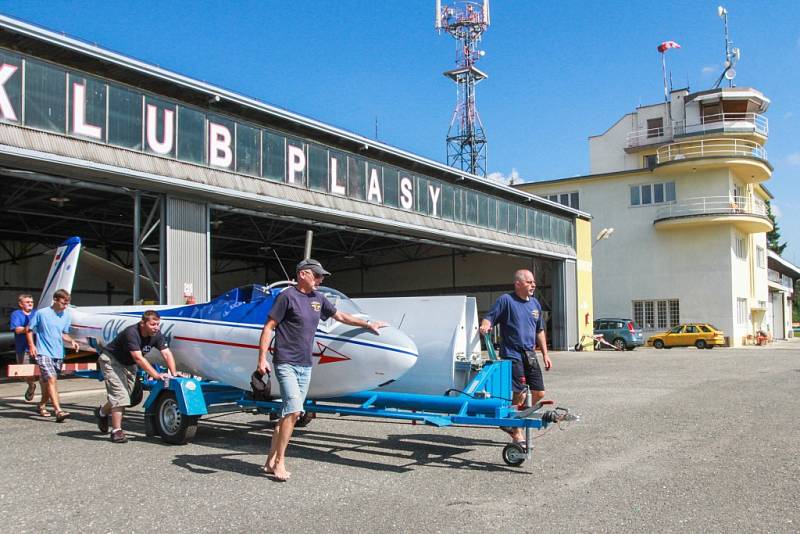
x,y
62,271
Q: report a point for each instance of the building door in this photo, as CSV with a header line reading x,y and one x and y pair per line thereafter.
x,y
778,322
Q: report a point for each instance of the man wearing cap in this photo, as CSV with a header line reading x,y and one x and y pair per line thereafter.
x,y
294,318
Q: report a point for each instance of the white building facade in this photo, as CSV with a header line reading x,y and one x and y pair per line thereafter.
x,y
681,184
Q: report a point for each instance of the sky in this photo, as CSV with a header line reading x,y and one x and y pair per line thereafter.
x,y
559,71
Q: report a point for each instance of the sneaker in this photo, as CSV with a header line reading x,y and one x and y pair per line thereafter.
x,y
118,436
102,422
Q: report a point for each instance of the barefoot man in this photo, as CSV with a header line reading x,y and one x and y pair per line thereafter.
x,y
294,319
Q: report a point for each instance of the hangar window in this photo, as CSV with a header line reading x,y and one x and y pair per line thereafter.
x,y
191,141
472,207
317,167
125,118
94,99
502,216
483,211
356,172
512,219
387,180
423,195
45,106
522,221
447,202
248,144
492,215
340,160
458,210
273,154
13,87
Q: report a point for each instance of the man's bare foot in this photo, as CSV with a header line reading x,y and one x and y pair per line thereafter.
x,y
280,473
269,469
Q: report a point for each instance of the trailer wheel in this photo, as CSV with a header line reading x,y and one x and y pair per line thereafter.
x,y
514,454
174,427
304,420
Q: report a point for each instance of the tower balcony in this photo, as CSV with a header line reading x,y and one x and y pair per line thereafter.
x,y
746,158
742,124
752,126
749,215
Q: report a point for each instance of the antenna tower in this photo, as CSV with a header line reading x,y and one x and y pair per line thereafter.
x,y
732,54
466,142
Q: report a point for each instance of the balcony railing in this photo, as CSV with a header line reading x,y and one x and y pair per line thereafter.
x,y
704,148
780,279
724,205
725,122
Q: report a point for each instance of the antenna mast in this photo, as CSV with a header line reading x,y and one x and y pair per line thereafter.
x,y
466,142
732,54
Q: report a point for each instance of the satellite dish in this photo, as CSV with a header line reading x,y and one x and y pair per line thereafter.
x,y
730,74
721,11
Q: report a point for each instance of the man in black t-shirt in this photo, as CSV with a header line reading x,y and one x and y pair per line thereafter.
x,y
294,318
119,360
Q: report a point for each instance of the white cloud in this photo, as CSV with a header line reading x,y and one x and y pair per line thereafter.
x,y
711,69
776,210
793,159
499,177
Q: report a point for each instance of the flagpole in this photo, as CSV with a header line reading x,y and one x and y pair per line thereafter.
x,y
664,71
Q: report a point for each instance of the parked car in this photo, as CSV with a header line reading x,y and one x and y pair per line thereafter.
x,y
622,333
701,335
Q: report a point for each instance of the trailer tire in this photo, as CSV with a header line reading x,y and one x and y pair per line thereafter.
x,y
514,454
174,427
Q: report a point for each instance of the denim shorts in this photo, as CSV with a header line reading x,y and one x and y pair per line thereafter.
x,y
294,381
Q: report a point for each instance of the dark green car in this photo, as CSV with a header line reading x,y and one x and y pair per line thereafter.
x,y
622,333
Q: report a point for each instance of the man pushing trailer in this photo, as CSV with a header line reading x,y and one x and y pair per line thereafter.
x,y
519,315
119,361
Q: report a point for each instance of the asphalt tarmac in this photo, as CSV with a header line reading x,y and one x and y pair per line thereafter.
x,y
680,440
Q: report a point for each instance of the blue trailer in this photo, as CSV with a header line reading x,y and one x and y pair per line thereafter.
x,y
173,409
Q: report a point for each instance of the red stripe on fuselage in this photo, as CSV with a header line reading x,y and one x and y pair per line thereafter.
x,y
217,342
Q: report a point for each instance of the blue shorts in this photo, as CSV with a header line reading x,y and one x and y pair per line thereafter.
x,y
48,366
294,381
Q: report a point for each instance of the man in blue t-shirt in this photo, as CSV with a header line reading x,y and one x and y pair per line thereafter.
x,y
294,317
51,326
519,315
19,322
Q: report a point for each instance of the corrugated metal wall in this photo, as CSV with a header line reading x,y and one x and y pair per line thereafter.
x,y
187,249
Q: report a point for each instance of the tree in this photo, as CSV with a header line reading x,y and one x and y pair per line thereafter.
x,y
774,236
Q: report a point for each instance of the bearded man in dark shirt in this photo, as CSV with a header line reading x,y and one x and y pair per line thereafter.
x,y
294,317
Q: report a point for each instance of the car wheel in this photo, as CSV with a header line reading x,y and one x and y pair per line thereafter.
x,y
700,344
619,343
658,344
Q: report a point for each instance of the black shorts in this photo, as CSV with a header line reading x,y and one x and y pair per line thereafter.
x,y
526,372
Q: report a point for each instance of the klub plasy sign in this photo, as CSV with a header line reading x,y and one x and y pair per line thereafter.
x,y
49,97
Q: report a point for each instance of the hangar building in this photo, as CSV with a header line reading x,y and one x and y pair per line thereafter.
x,y
181,190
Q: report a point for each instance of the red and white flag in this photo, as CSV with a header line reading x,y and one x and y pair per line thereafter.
x,y
666,45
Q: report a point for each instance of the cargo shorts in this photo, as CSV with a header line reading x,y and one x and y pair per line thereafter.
x,y
119,380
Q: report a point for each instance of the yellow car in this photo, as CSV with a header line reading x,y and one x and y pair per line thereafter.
x,y
701,335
